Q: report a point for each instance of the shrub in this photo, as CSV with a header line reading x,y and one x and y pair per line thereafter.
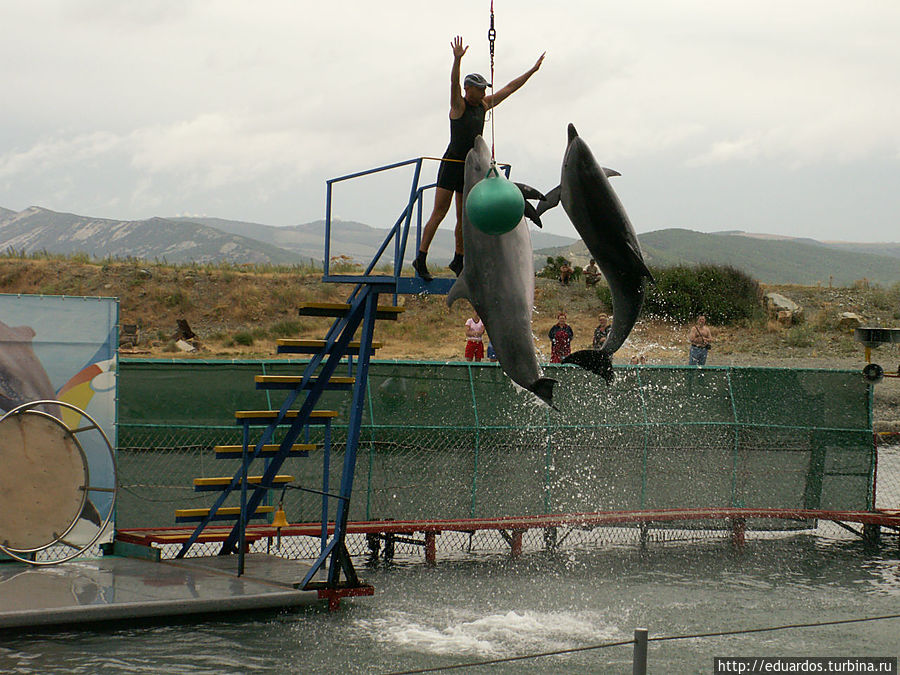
x,y
244,338
885,299
287,328
551,268
800,336
724,294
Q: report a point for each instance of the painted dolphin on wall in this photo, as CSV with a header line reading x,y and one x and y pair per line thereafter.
x,y
22,375
498,279
598,215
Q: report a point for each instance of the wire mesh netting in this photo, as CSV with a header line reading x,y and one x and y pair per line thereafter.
x,y
454,441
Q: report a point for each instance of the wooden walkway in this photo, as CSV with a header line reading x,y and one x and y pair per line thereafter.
x,y
514,527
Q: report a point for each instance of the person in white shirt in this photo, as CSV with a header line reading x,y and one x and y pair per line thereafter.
x,y
474,342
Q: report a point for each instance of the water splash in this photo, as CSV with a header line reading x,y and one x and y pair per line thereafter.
x,y
493,635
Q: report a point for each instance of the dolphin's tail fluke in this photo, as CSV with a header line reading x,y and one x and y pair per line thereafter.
x,y
550,201
543,389
595,360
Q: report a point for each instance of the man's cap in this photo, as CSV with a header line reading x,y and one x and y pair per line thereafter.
x,y
476,80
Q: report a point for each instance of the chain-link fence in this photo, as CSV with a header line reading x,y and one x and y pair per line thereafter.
x,y
452,441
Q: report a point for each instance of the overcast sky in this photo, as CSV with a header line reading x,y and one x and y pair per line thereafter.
x,y
768,116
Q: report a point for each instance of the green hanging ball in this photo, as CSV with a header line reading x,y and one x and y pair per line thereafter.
x,y
495,205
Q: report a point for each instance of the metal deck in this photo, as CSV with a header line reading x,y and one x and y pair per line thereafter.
x,y
126,589
513,528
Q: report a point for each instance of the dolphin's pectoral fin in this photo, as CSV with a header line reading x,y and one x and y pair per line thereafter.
x,y
548,202
529,192
459,290
610,172
543,389
532,215
638,260
595,360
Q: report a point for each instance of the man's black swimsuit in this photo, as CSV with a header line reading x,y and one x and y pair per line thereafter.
x,y
463,131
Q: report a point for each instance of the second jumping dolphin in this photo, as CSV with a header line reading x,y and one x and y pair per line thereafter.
x,y
596,212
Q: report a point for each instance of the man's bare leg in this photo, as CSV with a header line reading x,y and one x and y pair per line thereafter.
x,y
442,199
457,263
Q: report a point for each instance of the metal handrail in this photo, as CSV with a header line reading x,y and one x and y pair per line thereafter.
x,y
399,233
405,216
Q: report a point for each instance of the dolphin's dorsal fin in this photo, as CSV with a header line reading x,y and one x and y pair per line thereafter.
x,y
610,172
459,290
551,200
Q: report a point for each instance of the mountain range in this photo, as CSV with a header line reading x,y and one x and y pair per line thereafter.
x,y
768,258
208,240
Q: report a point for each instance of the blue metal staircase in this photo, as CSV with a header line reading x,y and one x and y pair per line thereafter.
x,y
359,314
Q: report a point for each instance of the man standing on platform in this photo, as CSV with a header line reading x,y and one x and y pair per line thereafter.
x,y
467,112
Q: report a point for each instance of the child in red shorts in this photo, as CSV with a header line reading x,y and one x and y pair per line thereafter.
x,y
474,343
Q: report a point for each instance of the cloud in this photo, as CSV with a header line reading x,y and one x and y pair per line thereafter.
x,y
58,151
229,107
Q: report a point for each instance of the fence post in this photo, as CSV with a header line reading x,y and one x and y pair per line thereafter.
x,y
477,442
735,450
639,665
646,439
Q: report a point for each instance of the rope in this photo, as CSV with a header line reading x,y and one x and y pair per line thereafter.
x,y
661,638
492,35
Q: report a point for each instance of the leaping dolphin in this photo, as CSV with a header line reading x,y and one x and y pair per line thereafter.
x,y
498,279
598,215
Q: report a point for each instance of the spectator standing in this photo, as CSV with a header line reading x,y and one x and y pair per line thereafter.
x,y
491,354
700,338
601,332
560,339
474,334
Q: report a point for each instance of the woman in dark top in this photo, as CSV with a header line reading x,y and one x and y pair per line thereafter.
x,y
467,112
560,339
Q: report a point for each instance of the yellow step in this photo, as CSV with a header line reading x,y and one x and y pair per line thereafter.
x,y
291,381
224,513
336,309
258,417
224,481
303,346
232,451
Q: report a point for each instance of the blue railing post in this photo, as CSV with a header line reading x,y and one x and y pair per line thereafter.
x,y
353,428
401,246
326,264
242,533
326,469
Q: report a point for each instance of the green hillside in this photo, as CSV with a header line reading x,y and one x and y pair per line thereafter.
x,y
772,261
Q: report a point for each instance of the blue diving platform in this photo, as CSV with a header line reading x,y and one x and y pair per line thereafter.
x,y
269,437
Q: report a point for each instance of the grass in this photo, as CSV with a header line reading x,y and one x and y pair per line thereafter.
x,y
241,311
